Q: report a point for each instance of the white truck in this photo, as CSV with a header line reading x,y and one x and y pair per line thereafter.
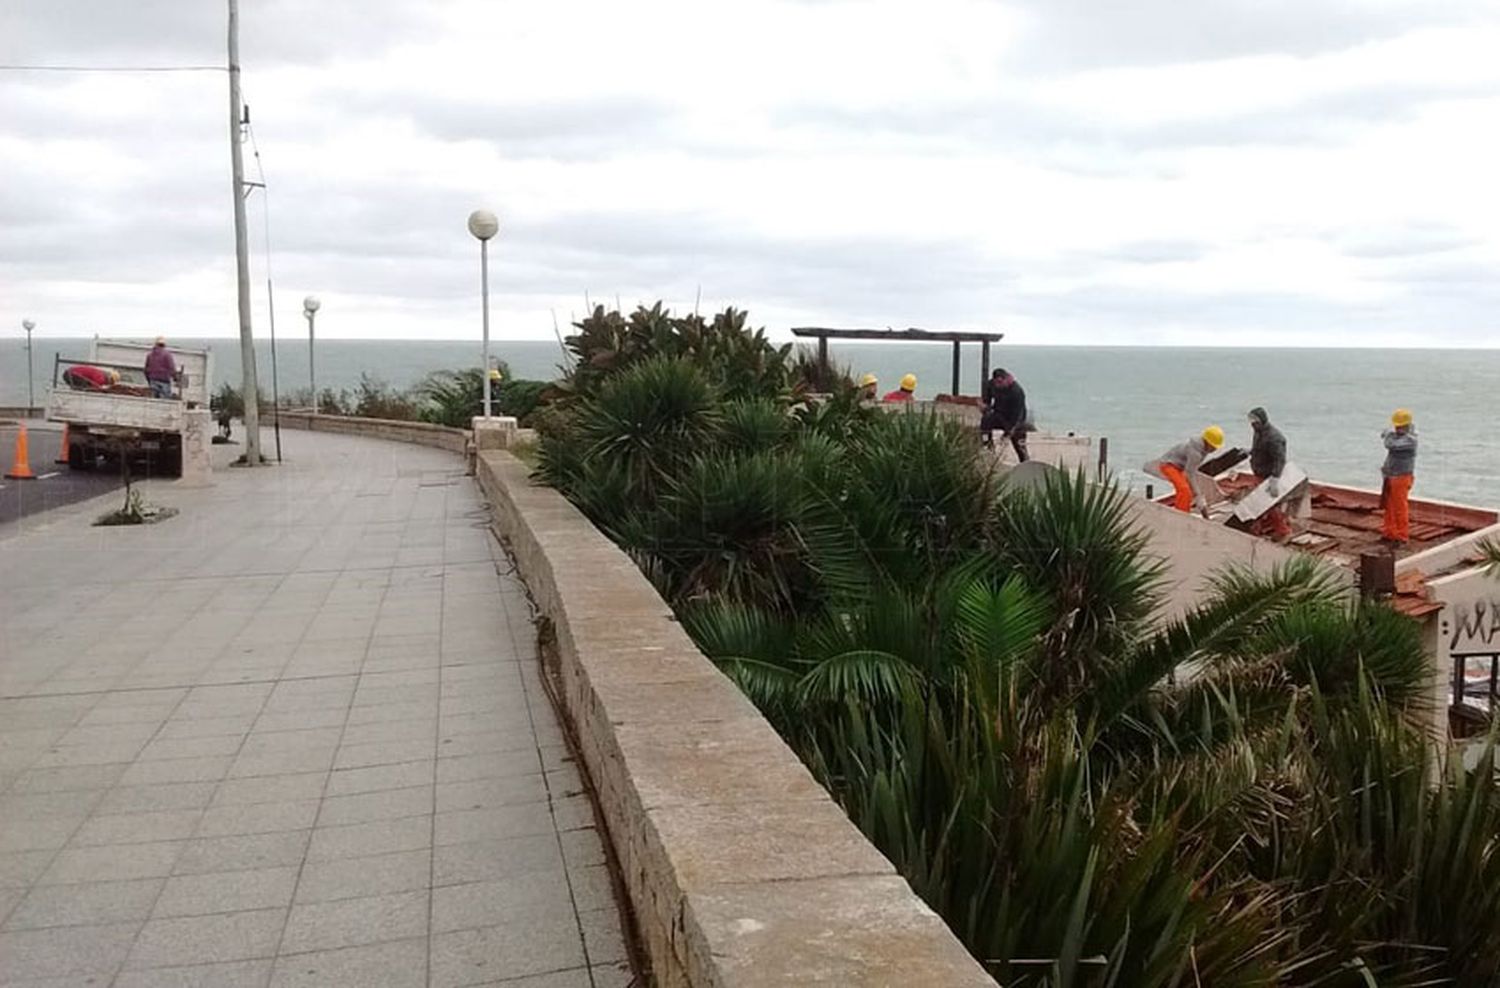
x,y
119,418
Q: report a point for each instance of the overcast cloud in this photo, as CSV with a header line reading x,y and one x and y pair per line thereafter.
x,y
1069,171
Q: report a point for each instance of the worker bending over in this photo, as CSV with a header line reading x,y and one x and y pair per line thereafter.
x,y
903,393
1179,467
85,377
1396,477
1267,461
1004,409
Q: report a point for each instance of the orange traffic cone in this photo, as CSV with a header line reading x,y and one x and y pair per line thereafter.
x,y
21,468
62,456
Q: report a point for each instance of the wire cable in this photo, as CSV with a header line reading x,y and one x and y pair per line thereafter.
x,y
114,68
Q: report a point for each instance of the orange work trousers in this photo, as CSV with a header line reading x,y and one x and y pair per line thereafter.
x,y
1183,498
1395,496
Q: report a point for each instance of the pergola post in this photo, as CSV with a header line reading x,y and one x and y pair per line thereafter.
x,y
984,365
823,374
956,368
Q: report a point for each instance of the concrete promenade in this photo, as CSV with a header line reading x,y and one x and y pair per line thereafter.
x,y
294,736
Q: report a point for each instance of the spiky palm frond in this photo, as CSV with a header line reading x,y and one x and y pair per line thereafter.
x,y
754,425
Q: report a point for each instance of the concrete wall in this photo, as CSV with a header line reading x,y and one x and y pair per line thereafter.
x,y
421,433
741,869
1193,549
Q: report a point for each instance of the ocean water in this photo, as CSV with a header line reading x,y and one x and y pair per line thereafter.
x,y
1332,404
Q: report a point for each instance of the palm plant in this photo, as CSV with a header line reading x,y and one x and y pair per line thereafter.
x,y
1089,794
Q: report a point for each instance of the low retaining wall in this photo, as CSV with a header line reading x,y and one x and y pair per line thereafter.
x,y
741,869
421,433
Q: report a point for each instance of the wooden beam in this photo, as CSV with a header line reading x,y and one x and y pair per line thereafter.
x,y
915,335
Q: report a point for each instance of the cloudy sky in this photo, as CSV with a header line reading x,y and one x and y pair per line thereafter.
x,y
1069,171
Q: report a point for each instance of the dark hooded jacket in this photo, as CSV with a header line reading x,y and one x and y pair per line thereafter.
x,y
1005,405
1268,451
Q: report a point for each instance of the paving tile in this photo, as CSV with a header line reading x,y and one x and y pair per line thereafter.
x,y
222,892
211,939
234,725
66,952
295,761
488,860
365,839
396,964
493,823
38,835
199,747
258,818
288,788
353,922
242,853
205,769
117,862
136,828
620,975
23,868
479,793
86,904
526,946
385,752
582,848
68,778
422,729
603,937
164,796
349,878
494,903
489,765
388,804
233,974
300,719
403,775
302,739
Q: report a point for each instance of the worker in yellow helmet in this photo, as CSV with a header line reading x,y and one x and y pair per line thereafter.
x,y
905,392
1397,474
867,387
1179,467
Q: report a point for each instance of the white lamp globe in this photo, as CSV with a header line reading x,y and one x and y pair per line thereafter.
x,y
311,304
483,224
28,325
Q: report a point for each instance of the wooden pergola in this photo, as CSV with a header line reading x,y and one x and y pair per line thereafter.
x,y
984,340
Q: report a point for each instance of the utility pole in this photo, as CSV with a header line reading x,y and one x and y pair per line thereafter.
x,y
248,384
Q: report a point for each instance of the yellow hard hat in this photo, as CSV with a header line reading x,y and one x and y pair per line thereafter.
x,y
1401,417
495,374
909,382
868,380
161,341
1214,436
114,376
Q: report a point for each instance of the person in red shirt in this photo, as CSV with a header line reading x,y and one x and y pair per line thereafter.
x,y
903,393
84,377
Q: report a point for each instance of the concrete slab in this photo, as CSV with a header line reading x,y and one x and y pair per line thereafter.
x,y
293,735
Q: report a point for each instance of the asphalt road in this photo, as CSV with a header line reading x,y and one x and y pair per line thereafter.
x,y
55,485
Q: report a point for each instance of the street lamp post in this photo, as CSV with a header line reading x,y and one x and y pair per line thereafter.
x,y
484,225
310,306
28,325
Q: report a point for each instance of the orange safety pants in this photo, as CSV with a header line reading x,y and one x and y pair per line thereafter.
x,y
1395,496
1183,499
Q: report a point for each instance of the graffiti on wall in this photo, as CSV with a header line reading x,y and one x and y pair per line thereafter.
x,y
1474,628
